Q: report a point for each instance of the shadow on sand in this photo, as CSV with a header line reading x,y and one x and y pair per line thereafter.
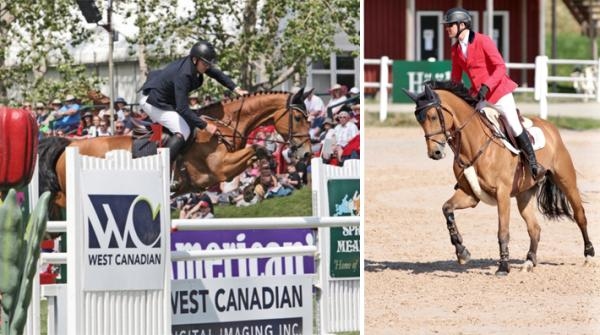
x,y
448,266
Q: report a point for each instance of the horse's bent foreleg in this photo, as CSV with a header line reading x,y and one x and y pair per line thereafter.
x,y
503,199
233,163
459,200
526,204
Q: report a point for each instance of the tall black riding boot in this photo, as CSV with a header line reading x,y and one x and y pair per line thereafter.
x,y
175,143
525,145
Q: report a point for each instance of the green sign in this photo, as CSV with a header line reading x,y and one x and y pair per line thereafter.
x,y
412,76
345,241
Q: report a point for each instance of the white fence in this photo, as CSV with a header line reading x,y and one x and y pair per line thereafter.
x,y
149,311
586,83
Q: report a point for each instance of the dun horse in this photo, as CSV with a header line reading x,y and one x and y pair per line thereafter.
x,y
447,115
207,159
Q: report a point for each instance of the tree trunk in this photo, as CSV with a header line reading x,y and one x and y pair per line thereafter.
x,y
248,31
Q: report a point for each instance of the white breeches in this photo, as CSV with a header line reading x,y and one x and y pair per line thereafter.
x,y
170,119
507,107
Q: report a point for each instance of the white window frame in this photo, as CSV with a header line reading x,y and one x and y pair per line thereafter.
x,y
333,71
440,32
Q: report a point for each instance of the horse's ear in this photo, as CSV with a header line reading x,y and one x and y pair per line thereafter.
x,y
297,98
429,92
411,95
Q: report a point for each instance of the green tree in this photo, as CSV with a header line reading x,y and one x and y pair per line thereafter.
x,y
272,39
42,31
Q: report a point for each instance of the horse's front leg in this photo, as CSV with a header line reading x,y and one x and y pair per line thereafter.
x,y
503,199
459,200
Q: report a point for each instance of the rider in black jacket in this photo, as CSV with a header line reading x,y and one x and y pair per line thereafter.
x,y
165,93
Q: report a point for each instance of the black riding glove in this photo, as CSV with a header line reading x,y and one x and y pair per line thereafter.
x,y
483,91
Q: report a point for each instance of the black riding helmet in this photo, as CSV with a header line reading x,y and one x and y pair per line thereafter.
x,y
205,51
457,15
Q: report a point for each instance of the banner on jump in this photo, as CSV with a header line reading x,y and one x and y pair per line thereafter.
x,y
125,231
242,239
259,305
344,241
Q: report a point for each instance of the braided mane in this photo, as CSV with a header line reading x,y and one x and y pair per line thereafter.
x,y
456,88
223,102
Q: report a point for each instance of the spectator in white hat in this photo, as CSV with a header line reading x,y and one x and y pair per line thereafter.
x,y
337,96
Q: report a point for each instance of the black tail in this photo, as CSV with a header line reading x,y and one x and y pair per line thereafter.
x,y
49,150
552,202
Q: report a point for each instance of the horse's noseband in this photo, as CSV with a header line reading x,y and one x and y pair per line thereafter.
x,y
290,108
420,113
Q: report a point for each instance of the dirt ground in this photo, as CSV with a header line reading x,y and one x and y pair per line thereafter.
x,y
413,284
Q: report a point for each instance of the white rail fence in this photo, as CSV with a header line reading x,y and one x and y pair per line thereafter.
x,y
586,82
73,310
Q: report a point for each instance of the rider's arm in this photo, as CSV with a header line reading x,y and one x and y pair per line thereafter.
x,y
182,89
221,77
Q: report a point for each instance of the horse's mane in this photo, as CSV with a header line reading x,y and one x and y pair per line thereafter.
x,y
456,88
227,101
220,104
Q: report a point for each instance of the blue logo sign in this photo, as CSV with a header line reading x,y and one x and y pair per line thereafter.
x,y
123,221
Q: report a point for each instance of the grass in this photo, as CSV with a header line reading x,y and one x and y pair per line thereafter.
x,y
299,203
575,123
408,120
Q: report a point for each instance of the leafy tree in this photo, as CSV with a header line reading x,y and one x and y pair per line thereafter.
x,y
272,39
42,31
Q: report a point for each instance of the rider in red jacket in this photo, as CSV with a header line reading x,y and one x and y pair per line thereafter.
x,y
477,55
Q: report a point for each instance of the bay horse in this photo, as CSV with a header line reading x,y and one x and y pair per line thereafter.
x,y
208,159
448,116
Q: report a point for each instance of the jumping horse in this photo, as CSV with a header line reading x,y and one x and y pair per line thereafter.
x,y
206,159
448,116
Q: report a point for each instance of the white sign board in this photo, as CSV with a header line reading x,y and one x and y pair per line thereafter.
x,y
124,232
251,305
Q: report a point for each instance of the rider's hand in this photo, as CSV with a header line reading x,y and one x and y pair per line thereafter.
x,y
483,91
240,91
211,128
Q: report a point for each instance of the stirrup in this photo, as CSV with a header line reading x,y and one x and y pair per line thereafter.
x,y
174,184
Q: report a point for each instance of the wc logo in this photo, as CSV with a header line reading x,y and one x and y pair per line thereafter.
x,y
123,221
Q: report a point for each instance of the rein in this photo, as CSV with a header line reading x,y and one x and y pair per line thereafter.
x,y
238,135
453,137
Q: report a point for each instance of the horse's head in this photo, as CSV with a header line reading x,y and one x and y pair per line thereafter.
x,y
435,119
292,123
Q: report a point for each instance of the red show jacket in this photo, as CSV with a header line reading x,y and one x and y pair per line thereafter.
x,y
483,65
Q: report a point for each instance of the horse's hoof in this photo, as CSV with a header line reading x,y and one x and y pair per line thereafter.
x,y
463,257
531,257
503,269
589,250
527,266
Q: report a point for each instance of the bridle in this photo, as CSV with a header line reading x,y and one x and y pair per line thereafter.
x,y
451,136
290,109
